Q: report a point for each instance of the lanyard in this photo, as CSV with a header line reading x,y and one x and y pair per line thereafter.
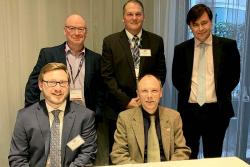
x,y
78,71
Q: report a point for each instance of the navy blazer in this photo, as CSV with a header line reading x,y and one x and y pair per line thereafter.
x,y
226,59
118,70
92,81
31,136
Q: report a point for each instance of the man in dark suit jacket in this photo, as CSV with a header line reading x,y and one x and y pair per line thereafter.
x,y
210,118
119,71
31,143
73,49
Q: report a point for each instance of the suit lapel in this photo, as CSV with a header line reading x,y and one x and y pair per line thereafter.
x,y
190,57
216,57
165,132
68,120
145,44
126,48
43,121
88,66
138,128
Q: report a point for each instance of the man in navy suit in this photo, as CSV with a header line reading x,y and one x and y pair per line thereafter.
x,y
83,66
204,95
32,140
120,70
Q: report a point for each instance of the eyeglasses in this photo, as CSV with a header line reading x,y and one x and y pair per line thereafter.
x,y
73,29
54,83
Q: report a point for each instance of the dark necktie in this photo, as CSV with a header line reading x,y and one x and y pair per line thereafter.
x,y
201,92
55,151
153,148
135,54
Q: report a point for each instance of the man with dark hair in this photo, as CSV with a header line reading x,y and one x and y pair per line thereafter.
x,y
149,133
127,55
205,71
54,132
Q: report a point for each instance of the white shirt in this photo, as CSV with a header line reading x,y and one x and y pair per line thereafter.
x,y
210,84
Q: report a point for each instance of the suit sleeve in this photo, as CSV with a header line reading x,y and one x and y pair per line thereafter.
x,y
19,155
181,151
88,150
32,91
108,75
120,151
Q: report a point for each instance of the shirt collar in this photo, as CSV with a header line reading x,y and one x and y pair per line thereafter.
x,y
130,36
208,41
61,108
146,114
68,50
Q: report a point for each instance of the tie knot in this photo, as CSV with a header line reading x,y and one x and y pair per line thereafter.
x,y
152,118
202,45
55,113
135,39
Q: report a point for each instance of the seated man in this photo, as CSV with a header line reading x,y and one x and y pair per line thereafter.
x,y
53,132
150,132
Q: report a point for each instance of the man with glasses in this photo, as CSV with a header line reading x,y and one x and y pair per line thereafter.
x,y
54,132
83,66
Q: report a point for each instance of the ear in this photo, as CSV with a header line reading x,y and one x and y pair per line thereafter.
x,y
161,93
40,84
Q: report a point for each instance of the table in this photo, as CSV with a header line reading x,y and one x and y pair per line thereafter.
x,y
207,162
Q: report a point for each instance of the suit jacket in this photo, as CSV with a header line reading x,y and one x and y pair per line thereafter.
x,y
31,136
92,81
129,137
118,70
226,59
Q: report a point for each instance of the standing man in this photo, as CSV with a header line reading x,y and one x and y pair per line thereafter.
x,y
205,71
150,124
83,66
126,56
54,132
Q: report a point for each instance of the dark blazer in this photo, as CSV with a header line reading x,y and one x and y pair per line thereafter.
x,y
226,60
129,145
92,80
31,136
118,67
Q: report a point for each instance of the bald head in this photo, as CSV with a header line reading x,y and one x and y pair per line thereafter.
x,y
76,19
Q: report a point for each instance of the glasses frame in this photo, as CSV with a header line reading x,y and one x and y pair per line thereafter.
x,y
73,29
54,83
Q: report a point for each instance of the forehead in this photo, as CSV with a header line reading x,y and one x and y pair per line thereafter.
x,y
75,20
55,75
133,7
204,17
149,82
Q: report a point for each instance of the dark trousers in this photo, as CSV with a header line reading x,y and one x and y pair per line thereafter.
x,y
205,122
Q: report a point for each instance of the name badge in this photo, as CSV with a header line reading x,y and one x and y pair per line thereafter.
x,y
75,143
75,94
145,52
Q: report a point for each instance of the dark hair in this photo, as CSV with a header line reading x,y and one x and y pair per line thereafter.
x,y
133,1
197,11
